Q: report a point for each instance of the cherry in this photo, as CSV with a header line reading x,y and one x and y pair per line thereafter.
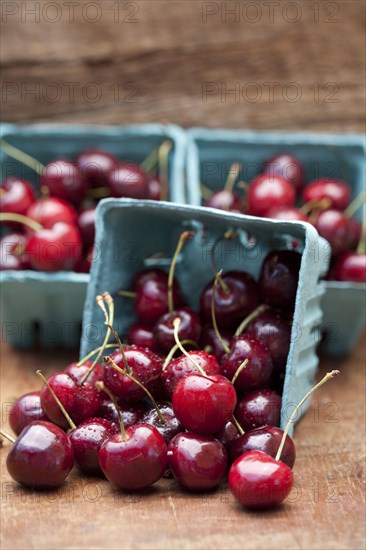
x,y
131,414
259,481
172,426
189,329
198,462
63,179
86,223
134,460
41,457
274,333
286,166
237,296
335,227
95,166
12,252
266,439
279,279
225,199
183,366
204,404
150,274
257,372
210,340
259,408
85,263
287,213
355,232
24,410
336,191
154,189
152,300
351,266
87,439
77,371
141,335
228,434
266,192
16,195
51,210
128,180
55,249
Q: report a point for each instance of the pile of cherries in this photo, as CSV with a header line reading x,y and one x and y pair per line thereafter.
x,y
279,192
55,231
153,409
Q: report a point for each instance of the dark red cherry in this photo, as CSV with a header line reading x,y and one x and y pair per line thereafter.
x,y
95,166
87,440
86,223
12,252
355,232
41,457
258,370
279,278
267,192
85,263
152,298
274,333
81,402
154,189
141,335
141,277
24,410
351,266
337,191
288,167
228,434
266,439
209,339
234,302
198,462
78,372
131,414
259,408
128,180
63,179
51,210
136,462
145,367
259,481
335,227
189,329
182,366
204,405
225,200
287,214
16,196
55,249
171,428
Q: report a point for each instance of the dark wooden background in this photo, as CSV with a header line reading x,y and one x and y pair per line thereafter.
x,y
292,65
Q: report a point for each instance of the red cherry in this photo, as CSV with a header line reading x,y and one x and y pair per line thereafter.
x,y
355,232
228,434
259,408
198,462
259,481
62,179
209,338
12,252
55,249
189,329
85,263
86,223
41,457
287,213
225,200
141,335
351,266
288,167
16,196
136,462
183,366
95,166
152,298
204,405
128,180
267,192
335,227
131,414
145,275
279,279
78,373
51,210
172,426
24,410
338,192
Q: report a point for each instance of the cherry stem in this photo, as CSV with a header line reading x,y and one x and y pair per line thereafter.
x,y
111,363
5,217
127,293
91,353
355,204
121,348
7,436
98,192
65,413
213,314
237,425
176,325
361,247
149,163
232,176
228,235
163,155
253,315
238,370
318,204
205,191
22,157
243,185
182,239
101,387
174,349
109,319
327,377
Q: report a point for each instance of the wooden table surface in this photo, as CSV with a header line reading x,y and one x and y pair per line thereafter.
x,y
296,65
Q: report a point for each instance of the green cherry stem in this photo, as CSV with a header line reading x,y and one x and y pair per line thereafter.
x,y
232,176
176,325
93,352
7,436
355,204
101,387
65,413
182,239
5,217
163,156
22,157
174,349
253,315
238,370
361,247
237,425
213,314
